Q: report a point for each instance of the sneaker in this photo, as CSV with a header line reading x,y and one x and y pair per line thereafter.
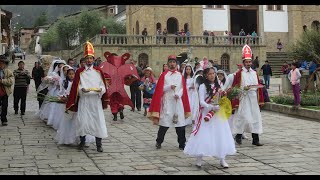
x,y
223,163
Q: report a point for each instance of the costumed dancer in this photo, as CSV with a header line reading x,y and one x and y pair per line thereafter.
x,y
247,116
119,74
193,96
170,104
88,97
147,85
211,137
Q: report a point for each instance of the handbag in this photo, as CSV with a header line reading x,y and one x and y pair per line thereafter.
x,y
2,91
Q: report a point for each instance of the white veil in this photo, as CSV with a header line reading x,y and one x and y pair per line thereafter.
x,y
62,78
184,70
220,71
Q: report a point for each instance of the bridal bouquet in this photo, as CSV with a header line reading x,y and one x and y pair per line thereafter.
x,y
51,79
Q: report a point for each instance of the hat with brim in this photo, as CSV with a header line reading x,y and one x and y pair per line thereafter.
x,y
147,69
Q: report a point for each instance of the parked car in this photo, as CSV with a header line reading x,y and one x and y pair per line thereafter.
x,y
18,53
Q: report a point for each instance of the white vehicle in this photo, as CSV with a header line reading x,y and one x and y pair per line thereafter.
x,y
18,53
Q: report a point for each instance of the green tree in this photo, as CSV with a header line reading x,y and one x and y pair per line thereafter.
x,y
67,31
89,25
307,48
114,27
41,20
49,38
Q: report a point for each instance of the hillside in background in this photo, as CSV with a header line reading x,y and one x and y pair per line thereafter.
x,y
29,13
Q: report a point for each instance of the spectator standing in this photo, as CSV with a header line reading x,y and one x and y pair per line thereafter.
x,y
285,68
279,45
144,34
21,86
103,37
267,73
206,36
6,81
165,33
37,75
294,77
255,63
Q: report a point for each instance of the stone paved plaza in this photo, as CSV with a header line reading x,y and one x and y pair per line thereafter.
x,y
292,146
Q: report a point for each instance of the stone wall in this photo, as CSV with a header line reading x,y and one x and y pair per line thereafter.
x,y
271,39
149,16
63,54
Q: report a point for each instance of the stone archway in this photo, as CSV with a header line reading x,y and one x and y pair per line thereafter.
x,y
137,28
172,25
143,58
315,25
158,26
225,62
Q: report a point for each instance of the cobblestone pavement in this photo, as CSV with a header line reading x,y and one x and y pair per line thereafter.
x,y
292,146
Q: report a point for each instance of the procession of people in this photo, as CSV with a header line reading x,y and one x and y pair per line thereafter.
x,y
195,95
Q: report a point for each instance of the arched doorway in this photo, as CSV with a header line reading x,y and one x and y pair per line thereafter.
x,y
172,25
315,25
225,62
304,28
158,26
143,58
137,28
186,27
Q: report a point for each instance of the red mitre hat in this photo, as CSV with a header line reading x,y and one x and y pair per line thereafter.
x,y
88,49
246,52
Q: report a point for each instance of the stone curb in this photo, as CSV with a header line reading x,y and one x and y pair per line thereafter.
x,y
286,109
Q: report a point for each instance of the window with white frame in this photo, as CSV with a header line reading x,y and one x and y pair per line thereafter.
x,y
214,6
274,7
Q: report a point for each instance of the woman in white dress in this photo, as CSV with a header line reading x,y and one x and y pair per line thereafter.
x,y
188,75
46,112
66,133
213,137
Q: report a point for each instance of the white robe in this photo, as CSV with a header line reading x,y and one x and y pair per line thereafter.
x,y
193,100
247,117
169,105
91,119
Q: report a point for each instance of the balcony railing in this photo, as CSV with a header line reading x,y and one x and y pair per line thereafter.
x,y
177,40
169,40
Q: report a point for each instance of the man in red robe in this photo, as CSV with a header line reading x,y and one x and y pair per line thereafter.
x,y
170,104
88,97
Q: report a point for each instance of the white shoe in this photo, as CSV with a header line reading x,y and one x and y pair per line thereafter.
x,y
244,136
223,163
199,162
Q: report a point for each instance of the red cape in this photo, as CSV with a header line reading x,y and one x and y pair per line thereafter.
x,y
73,99
237,83
155,106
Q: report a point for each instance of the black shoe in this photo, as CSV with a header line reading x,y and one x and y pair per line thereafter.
x,y
181,148
239,139
257,143
22,113
99,149
132,110
15,112
115,117
139,109
81,146
4,123
121,115
158,146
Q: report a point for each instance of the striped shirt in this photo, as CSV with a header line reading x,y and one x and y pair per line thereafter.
x,y
21,80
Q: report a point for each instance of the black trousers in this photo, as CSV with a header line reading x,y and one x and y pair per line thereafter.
x,y
4,108
181,132
19,93
135,96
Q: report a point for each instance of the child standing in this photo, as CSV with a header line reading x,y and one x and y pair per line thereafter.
x,y
212,137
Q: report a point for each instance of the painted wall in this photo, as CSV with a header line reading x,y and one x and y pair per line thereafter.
x,y
215,20
275,21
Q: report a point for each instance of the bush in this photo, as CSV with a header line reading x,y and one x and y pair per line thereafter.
x,y
289,100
